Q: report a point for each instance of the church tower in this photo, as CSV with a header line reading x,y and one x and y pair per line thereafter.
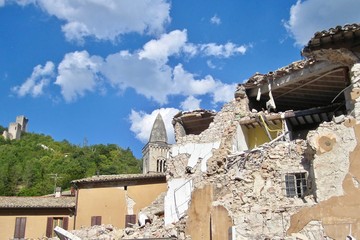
x,y
156,150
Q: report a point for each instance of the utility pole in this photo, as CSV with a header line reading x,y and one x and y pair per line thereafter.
x,y
55,177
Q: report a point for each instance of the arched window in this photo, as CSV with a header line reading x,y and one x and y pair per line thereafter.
x,y
160,165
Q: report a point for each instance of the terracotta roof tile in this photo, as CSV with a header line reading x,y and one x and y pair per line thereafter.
x,y
37,202
259,79
120,177
346,36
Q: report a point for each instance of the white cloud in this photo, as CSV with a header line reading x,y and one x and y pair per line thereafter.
x,y
146,71
141,123
38,80
146,76
186,84
190,49
167,45
190,103
2,3
227,50
156,81
310,16
106,19
224,92
215,20
78,73
210,64
175,43
76,31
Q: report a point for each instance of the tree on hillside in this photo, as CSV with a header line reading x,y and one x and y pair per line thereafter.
x,y
26,165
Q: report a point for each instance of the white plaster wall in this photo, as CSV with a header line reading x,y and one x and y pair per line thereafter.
x,y
177,198
197,151
240,139
331,167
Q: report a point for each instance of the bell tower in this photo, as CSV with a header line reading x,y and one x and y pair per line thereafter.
x,y
156,150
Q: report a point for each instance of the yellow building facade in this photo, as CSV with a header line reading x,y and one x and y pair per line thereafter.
x,y
115,199
35,217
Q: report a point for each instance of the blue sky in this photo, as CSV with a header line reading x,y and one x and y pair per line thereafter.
x,y
103,69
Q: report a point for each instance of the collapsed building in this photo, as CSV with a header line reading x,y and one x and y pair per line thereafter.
x,y
280,161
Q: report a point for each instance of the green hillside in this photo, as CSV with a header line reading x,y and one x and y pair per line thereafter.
x,y
28,166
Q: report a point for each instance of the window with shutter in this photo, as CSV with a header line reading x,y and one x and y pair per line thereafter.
x,y
95,220
49,225
53,222
20,225
65,223
130,220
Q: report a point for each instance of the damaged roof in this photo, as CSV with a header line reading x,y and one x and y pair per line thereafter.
x,y
315,85
120,180
346,36
258,78
312,82
37,202
296,118
194,122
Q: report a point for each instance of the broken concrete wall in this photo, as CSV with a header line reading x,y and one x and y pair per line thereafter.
x,y
240,139
332,143
177,199
339,215
253,189
249,185
199,153
198,223
205,220
192,153
336,169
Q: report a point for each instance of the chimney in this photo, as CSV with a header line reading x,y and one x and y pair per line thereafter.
x,y
58,192
72,190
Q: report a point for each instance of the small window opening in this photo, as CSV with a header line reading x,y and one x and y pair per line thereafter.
x,y
96,220
161,167
53,222
130,220
295,184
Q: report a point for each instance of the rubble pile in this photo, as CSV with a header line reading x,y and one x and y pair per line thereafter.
x,y
156,229
101,232
251,184
252,190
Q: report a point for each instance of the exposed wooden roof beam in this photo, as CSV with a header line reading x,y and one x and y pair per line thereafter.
x,y
311,71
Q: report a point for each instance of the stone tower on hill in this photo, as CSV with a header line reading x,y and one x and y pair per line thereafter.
x,y
156,150
16,128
